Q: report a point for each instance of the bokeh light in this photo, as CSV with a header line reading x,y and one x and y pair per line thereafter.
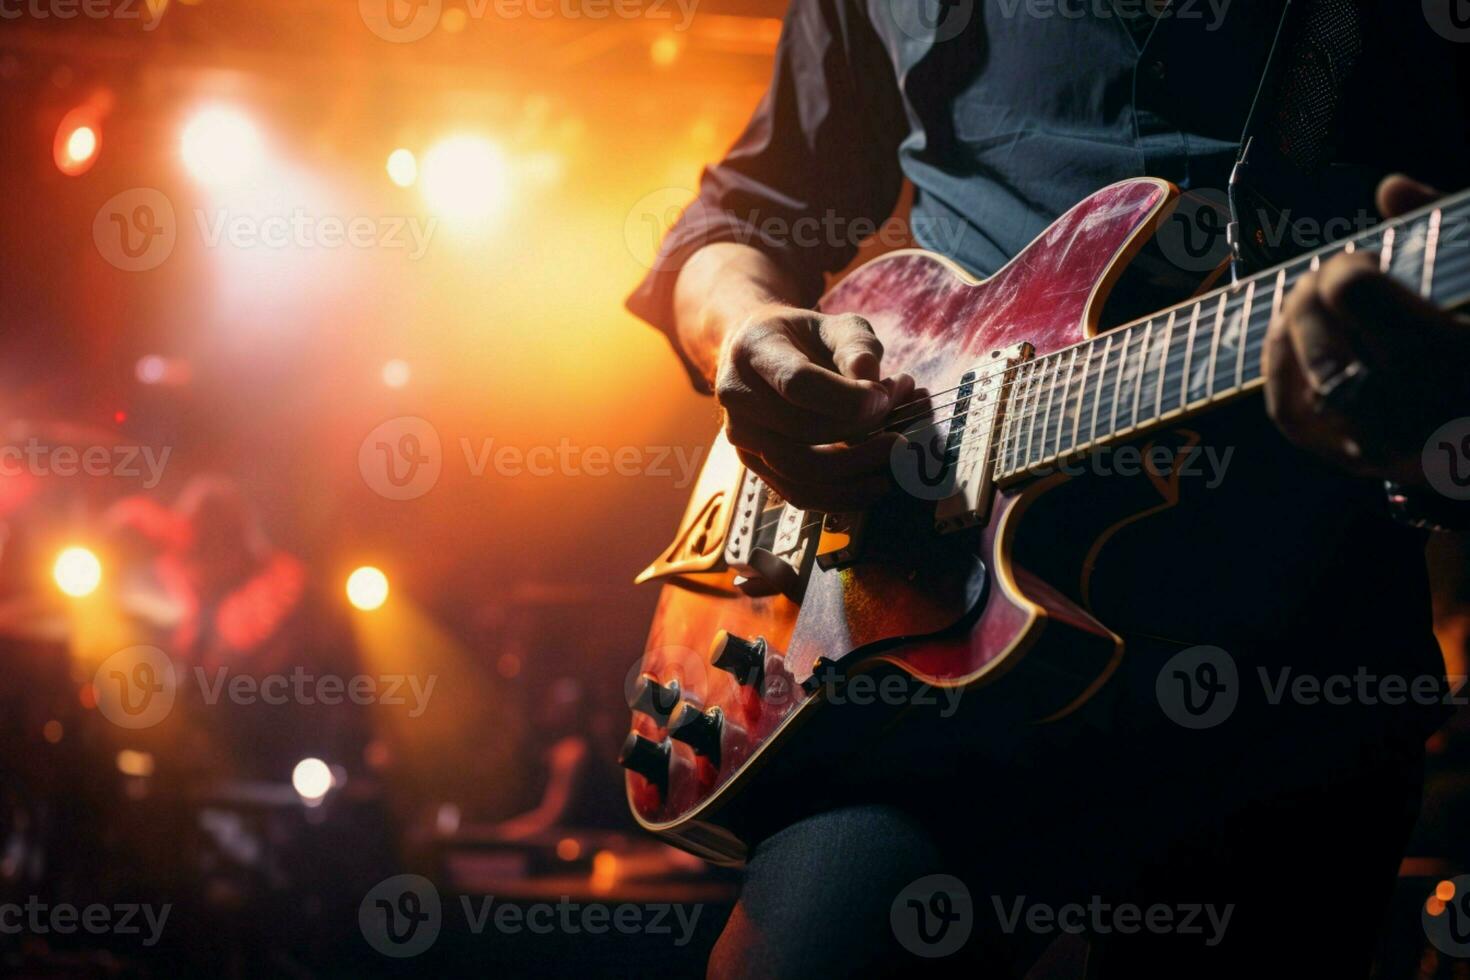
x,y
403,167
312,778
220,146
367,588
77,572
396,373
466,179
78,138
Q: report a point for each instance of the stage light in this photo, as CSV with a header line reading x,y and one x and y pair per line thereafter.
x,y
311,779
396,373
151,369
367,588
403,167
665,50
220,146
77,572
81,144
78,139
131,762
465,179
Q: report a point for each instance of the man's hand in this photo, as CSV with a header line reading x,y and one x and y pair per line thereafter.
x,y
803,397
1403,362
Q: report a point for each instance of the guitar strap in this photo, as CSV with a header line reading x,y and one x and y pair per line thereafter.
x,y
1289,133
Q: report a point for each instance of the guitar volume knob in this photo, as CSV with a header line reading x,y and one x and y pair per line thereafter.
x,y
743,659
647,758
653,699
700,730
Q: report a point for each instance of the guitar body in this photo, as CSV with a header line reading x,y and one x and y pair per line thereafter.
x,y
997,610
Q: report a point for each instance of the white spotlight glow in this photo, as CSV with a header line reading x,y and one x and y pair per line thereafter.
x,y
396,373
403,167
220,146
466,179
311,779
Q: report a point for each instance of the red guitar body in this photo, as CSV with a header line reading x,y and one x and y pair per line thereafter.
x,y
981,610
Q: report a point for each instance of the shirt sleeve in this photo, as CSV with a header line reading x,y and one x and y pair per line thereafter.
x,y
814,172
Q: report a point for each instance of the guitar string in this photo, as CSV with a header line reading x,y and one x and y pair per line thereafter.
x,y
1031,371
1418,245
1149,371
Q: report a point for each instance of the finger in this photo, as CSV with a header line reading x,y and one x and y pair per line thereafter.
x,y
826,498
855,348
1398,195
829,464
1352,288
900,391
1322,339
744,393
802,382
1293,405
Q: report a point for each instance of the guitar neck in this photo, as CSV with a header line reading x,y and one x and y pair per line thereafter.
x,y
1186,360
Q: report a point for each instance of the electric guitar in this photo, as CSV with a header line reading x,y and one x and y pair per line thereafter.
x,y
771,618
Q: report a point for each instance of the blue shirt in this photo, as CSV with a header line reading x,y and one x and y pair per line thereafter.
x,y
1005,113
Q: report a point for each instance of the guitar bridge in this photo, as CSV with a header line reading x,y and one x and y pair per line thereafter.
x,y
980,404
769,542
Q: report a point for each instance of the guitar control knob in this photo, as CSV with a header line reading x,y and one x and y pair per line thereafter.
x,y
741,658
647,758
700,730
655,700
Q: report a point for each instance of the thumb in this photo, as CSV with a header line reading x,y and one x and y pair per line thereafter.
x,y
1398,195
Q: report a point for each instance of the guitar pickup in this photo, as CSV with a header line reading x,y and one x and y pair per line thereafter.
x,y
745,524
770,546
979,410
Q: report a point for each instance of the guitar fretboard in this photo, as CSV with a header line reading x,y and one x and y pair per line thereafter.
x,y
1187,358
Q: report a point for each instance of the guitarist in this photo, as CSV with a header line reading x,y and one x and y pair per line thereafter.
x,y
1293,813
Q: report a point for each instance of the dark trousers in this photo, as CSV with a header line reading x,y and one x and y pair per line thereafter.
x,y
1111,866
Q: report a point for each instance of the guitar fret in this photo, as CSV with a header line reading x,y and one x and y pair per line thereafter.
x,y
1245,320
1188,352
1385,257
1431,247
1118,382
1097,398
1035,413
1003,456
1028,414
1067,400
1046,421
1081,396
1215,347
1164,365
1138,376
